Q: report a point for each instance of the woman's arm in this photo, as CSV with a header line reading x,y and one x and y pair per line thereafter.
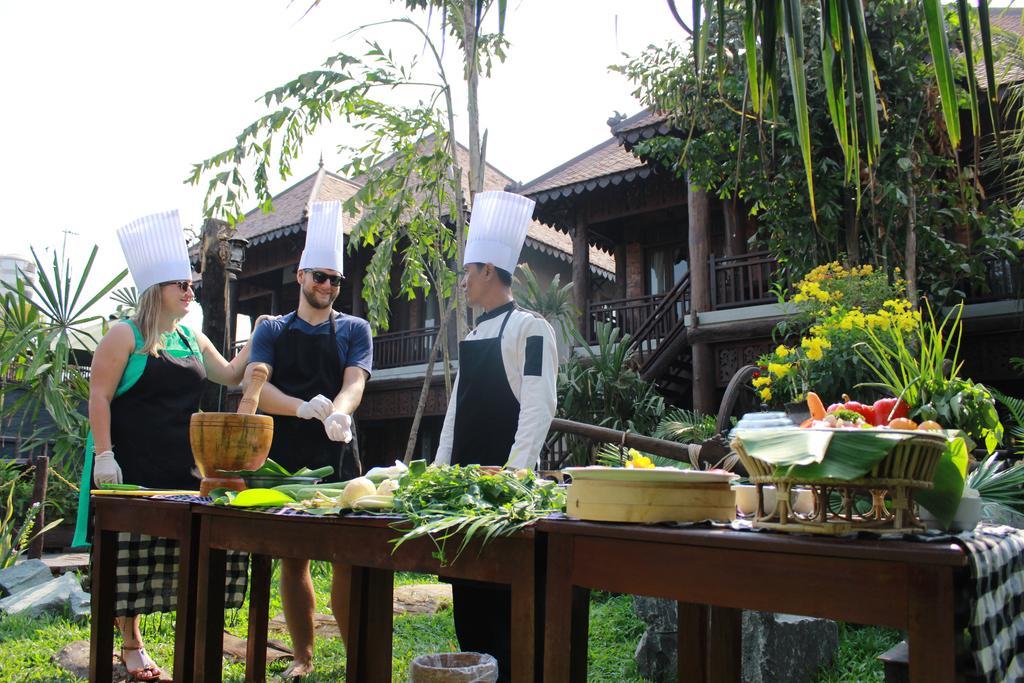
x,y
108,363
220,370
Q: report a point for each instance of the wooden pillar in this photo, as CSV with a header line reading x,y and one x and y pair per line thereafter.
x,y
699,215
620,270
275,301
581,276
735,227
214,301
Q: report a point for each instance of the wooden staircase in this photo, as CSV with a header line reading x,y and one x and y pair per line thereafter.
x,y
662,348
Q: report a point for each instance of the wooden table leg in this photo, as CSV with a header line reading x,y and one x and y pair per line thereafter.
x,y
370,625
185,616
692,630
523,636
378,625
557,609
210,612
356,617
725,645
931,631
259,619
104,586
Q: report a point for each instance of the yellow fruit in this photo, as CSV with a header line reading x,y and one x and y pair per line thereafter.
x,y
930,425
903,423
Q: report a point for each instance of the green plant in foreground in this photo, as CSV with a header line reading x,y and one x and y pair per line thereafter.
x,y
996,482
15,537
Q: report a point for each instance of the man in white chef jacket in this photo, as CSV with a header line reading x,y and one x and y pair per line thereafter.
x,y
504,394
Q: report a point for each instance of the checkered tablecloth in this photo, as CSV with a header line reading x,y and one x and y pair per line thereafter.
x,y
996,603
147,575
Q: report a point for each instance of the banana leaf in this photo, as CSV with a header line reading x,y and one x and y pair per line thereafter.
x,y
842,455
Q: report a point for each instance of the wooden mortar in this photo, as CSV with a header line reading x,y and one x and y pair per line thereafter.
x,y
232,441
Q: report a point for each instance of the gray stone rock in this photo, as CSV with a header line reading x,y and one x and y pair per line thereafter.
x,y
81,604
660,615
52,596
24,575
784,648
777,648
657,656
74,658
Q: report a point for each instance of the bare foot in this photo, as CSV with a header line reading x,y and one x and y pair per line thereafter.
x,y
296,671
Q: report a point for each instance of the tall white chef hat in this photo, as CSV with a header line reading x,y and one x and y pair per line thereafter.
x,y
324,246
154,247
497,229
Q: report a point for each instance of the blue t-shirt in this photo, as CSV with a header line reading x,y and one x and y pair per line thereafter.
x,y
355,343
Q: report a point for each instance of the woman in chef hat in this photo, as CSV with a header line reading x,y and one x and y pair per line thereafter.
x,y
148,374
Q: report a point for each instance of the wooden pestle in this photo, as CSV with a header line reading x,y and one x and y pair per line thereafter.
x,y
251,398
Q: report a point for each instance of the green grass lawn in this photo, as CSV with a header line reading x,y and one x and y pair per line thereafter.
x,y
26,645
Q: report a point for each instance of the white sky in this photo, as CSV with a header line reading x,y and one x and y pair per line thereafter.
x,y
107,104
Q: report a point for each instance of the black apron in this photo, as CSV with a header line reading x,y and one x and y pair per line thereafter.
x,y
486,420
486,410
149,422
306,365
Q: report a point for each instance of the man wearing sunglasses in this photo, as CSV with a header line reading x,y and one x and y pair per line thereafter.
x,y
320,360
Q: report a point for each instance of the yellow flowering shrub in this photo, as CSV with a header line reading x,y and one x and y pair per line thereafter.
x,y
835,307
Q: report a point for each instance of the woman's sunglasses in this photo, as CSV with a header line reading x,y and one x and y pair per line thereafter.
x,y
183,285
321,277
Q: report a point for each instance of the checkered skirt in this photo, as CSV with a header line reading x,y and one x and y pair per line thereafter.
x,y
147,575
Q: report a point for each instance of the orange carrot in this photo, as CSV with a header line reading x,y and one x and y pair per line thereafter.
x,y
815,405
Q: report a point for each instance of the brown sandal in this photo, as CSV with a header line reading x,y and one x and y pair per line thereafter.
x,y
147,669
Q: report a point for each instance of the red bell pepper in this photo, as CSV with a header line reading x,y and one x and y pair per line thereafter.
x,y
867,412
888,409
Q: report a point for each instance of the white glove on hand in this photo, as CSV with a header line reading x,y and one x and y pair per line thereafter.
x,y
105,469
339,427
319,407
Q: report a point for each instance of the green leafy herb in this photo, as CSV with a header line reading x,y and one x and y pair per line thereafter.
x,y
445,501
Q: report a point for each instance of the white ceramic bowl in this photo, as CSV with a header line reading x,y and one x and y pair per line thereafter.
x,y
746,499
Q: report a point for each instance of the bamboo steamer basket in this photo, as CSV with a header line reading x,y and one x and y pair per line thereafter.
x,y
232,441
621,500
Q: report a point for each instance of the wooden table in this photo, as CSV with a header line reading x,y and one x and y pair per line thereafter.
x,y
363,542
714,573
164,518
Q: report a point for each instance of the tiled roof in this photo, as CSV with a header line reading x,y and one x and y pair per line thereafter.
x,y
606,164
289,212
640,126
1007,30
290,206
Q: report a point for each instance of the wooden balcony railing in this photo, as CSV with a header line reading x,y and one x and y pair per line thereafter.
x,y
1004,280
744,280
629,315
399,349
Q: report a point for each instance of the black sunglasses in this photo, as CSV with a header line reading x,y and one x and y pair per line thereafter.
x,y
321,277
183,285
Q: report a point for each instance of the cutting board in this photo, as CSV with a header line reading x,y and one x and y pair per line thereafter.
x,y
145,492
650,502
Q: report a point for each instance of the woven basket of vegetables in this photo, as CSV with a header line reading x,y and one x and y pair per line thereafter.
x,y
883,466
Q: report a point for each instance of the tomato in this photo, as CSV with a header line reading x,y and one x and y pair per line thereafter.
x,y
902,423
